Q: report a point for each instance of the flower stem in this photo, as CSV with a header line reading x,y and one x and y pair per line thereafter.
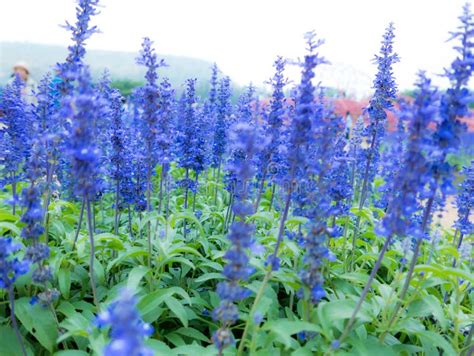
x,y
267,275
92,252
79,223
260,189
11,296
217,180
411,269
365,291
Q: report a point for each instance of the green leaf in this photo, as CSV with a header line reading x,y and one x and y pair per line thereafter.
x,y
9,345
177,308
131,252
264,217
192,350
71,353
108,240
64,281
209,276
446,272
193,334
188,216
150,303
296,220
38,321
330,312
135,276
426,306
8,226
159,347
284,328
7,216
364,214
363,347
430,339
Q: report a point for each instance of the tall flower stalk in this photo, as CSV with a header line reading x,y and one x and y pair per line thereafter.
x,y
11,268
274,125
149,101
220,127
15,137
84,106
296,159
384,95
412,178
447,138
243,138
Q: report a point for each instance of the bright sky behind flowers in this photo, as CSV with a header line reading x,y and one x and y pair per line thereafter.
x,y
245,36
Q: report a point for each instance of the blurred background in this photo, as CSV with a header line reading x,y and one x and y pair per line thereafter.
x,y
243,37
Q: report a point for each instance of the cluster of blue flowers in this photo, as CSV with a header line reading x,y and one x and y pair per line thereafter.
x,y
221,125
15,138
297,146
11,267
384,95
270,158
127,330
244,139
415,175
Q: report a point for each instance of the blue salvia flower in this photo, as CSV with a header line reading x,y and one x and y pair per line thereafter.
x,y
221,123
300,133
384,95
83,107
149,101
137,153
243,138
454,103
15,138
47,125
465,203
33,215
80,32
127,329
10,266
118,157
414,174
340,177
391,160
213,88
191,147
357,152
244,114
299,139
166,119
45,120
410,180
274,121
317,205
31,196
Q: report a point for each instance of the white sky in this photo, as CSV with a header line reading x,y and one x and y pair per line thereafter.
x,y
244,36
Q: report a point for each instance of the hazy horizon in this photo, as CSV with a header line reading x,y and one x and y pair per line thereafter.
x,y
245,44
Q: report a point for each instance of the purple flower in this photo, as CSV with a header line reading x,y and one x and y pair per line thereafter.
x,y
10,266
127,330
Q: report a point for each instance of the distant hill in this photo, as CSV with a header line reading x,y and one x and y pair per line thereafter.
x,y
121,65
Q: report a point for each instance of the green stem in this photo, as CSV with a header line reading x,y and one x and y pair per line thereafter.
x,y
11,297
267,275
92,252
